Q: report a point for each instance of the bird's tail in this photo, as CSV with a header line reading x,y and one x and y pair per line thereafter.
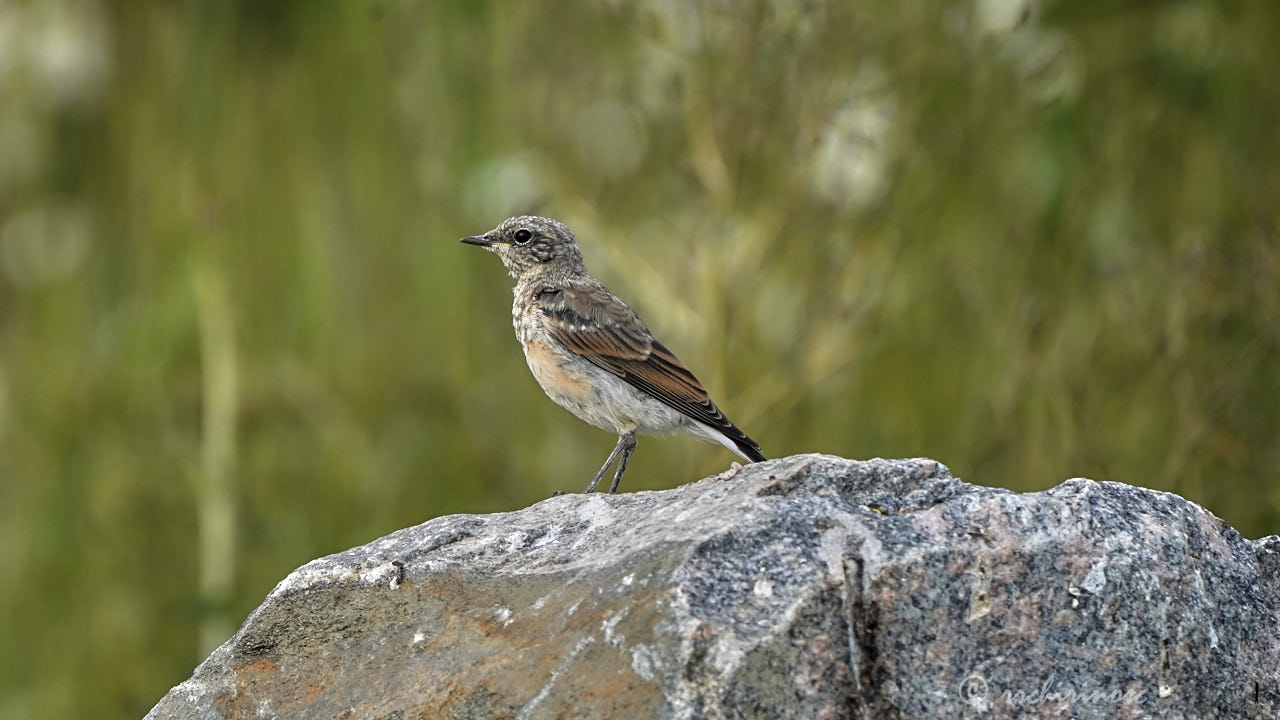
x,y
750,448
737,441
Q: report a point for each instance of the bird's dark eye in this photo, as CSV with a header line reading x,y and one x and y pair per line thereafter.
x,y
523,236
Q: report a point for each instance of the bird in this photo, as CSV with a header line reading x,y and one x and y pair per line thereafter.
x,y
592,354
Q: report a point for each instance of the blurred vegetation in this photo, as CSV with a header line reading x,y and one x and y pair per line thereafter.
x,y
1031,240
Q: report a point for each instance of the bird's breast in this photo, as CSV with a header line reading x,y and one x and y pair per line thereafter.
x,y
559,375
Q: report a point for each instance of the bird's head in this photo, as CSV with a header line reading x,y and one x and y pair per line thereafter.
x,y
530,245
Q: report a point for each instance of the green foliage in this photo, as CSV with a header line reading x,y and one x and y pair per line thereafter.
x,y
237,330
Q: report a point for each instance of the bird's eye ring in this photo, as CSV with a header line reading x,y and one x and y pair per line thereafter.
x,y
523,236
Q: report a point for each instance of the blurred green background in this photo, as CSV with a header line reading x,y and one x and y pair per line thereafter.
x,y
1032,240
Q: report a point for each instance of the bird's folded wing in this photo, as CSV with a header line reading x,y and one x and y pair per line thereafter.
x,y
596,325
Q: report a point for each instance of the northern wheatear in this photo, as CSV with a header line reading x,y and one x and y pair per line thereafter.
x,y
592,354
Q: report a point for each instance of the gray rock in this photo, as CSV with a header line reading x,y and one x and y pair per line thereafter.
x,y
807,587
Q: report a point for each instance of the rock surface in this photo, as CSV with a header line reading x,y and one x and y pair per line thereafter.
x,y
806,587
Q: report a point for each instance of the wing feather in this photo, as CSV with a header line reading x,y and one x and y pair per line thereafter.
x,y
594,323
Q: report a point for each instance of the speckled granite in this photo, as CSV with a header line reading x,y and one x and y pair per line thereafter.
x,y
805,587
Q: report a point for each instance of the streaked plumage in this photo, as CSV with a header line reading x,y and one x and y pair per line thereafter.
x,y
592,354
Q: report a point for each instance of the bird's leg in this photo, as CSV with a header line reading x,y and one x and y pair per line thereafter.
x,y
630,439
622,441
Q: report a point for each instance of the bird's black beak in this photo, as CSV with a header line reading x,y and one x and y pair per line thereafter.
x,y
480,240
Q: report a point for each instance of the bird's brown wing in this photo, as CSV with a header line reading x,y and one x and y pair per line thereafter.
x,y
592,322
